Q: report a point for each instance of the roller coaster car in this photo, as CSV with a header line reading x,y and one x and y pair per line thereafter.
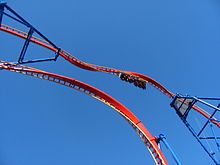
x,y
140,84
125,77
132,79
143,86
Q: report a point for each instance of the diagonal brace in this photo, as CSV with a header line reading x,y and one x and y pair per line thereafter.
x,y
26,44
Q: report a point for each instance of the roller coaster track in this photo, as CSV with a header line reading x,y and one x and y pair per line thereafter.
x,y
136,79
73,60
136,124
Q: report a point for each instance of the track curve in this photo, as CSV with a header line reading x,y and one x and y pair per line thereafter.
x,y
73,60
140,129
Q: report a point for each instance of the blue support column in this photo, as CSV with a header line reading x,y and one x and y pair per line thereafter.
x,y
179,103
163,139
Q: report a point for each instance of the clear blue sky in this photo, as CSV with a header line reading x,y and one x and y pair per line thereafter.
x,y
174,42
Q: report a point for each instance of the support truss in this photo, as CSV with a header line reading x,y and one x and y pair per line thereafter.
x,y
207,133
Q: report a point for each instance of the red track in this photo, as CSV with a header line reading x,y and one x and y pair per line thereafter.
x,y
92,67
144,134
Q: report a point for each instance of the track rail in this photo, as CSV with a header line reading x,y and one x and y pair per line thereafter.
x,y
136,124
91,67
73,60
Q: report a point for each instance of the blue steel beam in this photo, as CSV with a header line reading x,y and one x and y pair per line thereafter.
x,y
26,44
15,16
163,139
2,6
213,132
200,142
29,25
191,129
207,122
